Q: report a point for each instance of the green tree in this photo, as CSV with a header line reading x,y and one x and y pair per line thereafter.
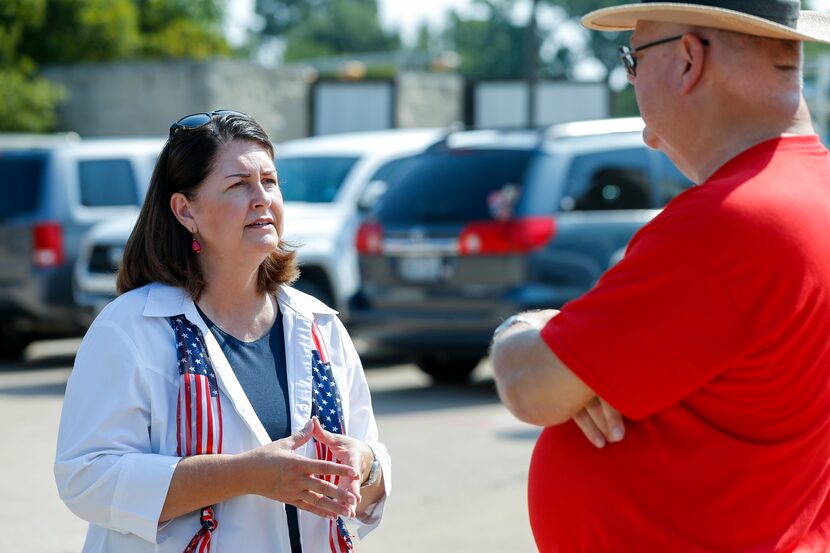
x,y
181,29
74,31
603,45
27,102
493,47
316,28
37,32
280,16
82,30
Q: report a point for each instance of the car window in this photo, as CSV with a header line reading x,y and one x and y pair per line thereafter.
x,y
107,182
455,186
20,183
543,186
313,178
391,169
378,184
151,165
608,180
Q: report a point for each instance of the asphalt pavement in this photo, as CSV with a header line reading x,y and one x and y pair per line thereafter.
x,y
459,461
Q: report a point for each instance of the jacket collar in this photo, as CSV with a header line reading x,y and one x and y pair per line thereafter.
x,y
306,306
164,300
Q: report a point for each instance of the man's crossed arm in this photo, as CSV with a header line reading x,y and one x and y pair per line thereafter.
x,y
537,387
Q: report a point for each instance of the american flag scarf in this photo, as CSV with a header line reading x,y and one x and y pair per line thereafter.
x,y
328,408
199,412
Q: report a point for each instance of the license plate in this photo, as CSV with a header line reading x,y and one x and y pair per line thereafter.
x,y
421,269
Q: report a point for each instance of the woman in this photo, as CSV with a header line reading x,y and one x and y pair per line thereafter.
x,y
187,423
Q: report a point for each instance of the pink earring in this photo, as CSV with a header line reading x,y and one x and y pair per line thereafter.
x,y
197,247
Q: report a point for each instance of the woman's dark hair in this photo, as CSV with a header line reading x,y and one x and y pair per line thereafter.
x,y
159,248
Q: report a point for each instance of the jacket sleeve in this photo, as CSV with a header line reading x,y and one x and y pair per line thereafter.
x,y
361,425
105,470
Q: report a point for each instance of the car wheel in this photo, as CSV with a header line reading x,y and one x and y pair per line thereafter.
x,y
313,289
448,369
12,345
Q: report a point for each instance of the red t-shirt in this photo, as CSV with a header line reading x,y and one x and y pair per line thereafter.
x,y
712,337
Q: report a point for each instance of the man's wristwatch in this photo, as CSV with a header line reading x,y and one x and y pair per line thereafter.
x,y
514,320
374,472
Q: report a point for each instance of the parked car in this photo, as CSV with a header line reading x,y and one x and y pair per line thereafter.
x,y
52,193
326,182
488,223
18,141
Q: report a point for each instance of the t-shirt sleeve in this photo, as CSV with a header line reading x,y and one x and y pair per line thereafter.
x,y
655,328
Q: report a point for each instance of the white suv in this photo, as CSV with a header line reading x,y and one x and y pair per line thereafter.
x,y
327,182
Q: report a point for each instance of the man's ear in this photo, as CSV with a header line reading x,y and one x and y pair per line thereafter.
x,y
181,209
694,57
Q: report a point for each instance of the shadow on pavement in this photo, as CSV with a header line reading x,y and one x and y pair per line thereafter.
x,y
56,361
529,434
433,397
41,371
47,388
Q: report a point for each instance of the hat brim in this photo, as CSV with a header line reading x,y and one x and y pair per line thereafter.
x,y
812,26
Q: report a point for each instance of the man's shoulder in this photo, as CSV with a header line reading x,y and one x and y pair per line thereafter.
x,y
695,212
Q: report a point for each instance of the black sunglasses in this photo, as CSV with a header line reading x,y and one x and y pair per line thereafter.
x,y
196,120
628,55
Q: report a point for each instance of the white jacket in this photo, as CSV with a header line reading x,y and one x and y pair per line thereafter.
x,y
116,448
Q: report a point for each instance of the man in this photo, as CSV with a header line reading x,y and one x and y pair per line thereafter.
x,y
699,366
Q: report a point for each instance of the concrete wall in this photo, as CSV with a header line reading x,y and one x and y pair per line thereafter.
x,y
276,97
144,98
429,99
128,98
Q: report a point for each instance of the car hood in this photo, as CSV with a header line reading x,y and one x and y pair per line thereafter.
x,y
113,231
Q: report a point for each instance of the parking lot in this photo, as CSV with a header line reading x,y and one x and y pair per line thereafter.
x,y
460,461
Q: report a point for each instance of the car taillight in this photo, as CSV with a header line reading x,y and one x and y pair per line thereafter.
x,y
503,237
369,239
47,245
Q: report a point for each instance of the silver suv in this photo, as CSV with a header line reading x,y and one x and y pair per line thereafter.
x,y
52,194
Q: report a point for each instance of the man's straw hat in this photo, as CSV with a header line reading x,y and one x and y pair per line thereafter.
x,y
782,19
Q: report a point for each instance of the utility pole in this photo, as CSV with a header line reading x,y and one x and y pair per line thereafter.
x,y
531,64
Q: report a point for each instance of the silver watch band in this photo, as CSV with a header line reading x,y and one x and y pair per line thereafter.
x,y
514,320
374,471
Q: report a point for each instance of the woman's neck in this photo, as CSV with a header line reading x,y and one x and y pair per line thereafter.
x,y
231,300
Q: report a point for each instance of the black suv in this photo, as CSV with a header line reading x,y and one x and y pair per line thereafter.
x,y
488,223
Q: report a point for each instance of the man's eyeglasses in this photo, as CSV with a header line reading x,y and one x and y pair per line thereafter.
x,y
628,55
196,120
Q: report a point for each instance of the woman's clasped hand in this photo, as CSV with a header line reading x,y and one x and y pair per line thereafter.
x,y
279,473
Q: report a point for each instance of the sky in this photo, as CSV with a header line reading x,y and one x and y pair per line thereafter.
x,y
406,15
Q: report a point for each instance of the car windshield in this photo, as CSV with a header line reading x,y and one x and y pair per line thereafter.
x,y
456,186
313,179
20,178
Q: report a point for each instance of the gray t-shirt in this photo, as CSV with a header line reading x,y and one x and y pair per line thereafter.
x,y
260,368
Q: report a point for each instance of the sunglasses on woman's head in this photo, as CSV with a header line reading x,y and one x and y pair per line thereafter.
x,y
196,120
